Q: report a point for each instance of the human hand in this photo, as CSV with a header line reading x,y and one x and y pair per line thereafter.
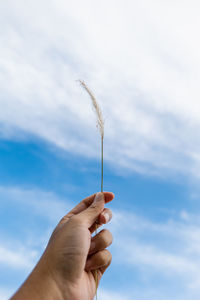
x,y
67,267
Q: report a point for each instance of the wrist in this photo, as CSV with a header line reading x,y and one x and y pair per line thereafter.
x,y
39,285
63,287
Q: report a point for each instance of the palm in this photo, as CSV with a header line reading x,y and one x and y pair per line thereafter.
x,y
86,284
86,287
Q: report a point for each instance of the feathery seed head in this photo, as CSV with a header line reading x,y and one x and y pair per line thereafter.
x,y
100,121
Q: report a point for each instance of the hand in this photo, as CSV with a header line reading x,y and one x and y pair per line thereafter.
x,y
67,268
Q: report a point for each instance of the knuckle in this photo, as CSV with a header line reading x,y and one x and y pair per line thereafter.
x,y
104,257
63,220
93,208
106,237
66,218
101,257
109,260
76,220
108,254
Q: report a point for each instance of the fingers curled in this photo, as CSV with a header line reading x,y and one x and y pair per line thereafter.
x,y
98,260
101,241
104,217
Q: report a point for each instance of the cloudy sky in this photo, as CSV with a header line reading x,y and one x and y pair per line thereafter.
x,y
141,59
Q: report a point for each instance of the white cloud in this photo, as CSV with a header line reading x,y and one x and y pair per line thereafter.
x,y
5,293
111,295
21,258
141,58
31,238
164,255
43,203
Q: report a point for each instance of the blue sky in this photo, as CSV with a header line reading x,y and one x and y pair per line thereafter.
x,y
141,59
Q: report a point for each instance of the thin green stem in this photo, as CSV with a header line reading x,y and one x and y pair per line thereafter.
x,y
102,164
96,279
96,276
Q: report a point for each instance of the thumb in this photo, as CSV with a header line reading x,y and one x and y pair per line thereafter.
x,y
93,211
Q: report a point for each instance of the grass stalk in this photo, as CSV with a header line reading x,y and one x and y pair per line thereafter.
x,y
100,125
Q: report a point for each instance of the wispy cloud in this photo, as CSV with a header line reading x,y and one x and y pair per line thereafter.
x,y
21,258
144,73
111,295
5,293
43,203
30,242
162,253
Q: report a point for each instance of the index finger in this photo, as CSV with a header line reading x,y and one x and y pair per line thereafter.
x,y
85,203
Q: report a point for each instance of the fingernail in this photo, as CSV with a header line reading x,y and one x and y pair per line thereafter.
x,y
99,196
107,217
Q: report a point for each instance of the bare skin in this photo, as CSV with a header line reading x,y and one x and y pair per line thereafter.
x,y
66,270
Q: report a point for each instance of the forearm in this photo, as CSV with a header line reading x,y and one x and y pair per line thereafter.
x,y
38,286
